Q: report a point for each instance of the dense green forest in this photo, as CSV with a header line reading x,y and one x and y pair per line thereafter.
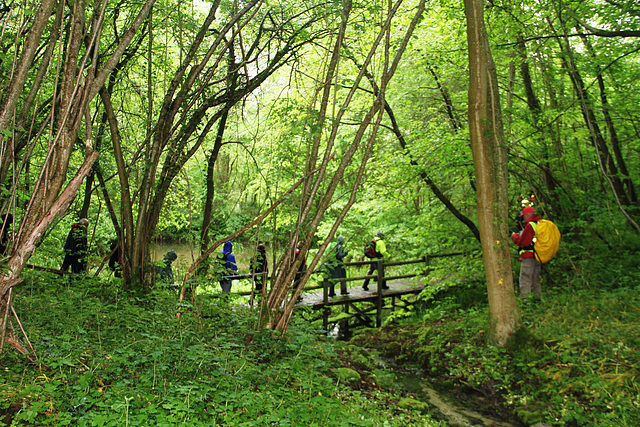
x,y
184,125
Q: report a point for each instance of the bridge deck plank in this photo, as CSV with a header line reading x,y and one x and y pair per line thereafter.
x,y
357,294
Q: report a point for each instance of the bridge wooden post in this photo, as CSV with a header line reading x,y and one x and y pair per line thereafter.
x,y
325,290
345,322
427,261
325,299
380,271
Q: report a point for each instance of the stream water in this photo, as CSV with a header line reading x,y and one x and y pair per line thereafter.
x,y
455,413
445,406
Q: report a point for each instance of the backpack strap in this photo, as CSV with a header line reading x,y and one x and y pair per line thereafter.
x,y
531,247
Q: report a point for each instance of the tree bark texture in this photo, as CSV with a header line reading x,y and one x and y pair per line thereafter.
x,y
490,163
78,86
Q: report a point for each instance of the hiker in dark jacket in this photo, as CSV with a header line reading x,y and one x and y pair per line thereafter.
x,y
336,268
165,271
75,248
228,261
530,267
115,259
258,266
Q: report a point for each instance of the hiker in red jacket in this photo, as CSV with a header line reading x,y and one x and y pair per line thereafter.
x,y
530,267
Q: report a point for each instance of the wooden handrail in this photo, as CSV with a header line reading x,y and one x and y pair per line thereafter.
x,y
379,273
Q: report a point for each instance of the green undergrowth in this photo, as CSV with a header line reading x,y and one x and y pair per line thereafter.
x,y
576,360
110,359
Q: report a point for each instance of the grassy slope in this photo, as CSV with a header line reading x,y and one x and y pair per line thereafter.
x,y
115,361
575,362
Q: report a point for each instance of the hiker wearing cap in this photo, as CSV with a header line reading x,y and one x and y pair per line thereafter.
x,y
530,267
380,251
75,248
165,271
336,268
523,204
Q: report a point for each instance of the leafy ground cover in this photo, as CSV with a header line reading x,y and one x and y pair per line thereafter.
x,y
576,361
115,360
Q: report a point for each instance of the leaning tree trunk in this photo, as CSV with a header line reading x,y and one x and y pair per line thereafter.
x,y
605,159
613,134
280,310
395,128
80,83
490,163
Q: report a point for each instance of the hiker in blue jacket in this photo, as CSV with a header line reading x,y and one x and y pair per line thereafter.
x,y
228,260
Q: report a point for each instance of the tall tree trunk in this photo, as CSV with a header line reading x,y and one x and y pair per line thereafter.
x,y
490,163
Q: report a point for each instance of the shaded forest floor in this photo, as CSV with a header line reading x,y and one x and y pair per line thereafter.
x,y
112,359
575,361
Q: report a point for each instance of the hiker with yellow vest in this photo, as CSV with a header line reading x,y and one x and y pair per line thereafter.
x,y
530,267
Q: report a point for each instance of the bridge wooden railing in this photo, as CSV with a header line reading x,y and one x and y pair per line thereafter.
x,y
379,276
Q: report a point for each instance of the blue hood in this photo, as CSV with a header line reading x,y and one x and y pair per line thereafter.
x,y
228,247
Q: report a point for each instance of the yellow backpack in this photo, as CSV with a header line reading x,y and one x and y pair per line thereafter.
x,y
546,241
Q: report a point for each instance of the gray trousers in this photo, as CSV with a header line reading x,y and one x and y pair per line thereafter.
x,y
225,284
530,277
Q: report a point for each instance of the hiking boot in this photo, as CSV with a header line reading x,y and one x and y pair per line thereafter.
x,y
385,287
365,288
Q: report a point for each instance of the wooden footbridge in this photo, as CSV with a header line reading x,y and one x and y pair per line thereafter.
x,y
364,307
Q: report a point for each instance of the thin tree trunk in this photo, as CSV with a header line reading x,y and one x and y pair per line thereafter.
x,y
403,144
490,162
606,161
231,87
613,134
11,148
536,113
